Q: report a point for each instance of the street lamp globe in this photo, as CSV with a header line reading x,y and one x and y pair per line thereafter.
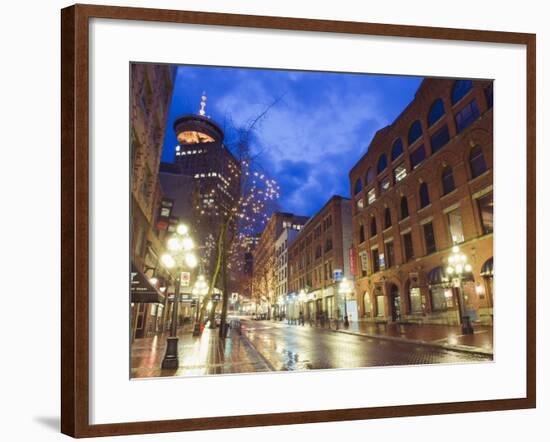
x,y
174,244
187,243
168,261
191,260
182,229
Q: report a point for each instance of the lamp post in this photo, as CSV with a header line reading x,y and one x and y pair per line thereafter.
x,y
345,289
179,245
457,266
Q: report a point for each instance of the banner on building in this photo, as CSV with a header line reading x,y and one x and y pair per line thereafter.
x,y
353,261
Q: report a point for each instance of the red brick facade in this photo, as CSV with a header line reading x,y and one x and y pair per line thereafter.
x,y
459,180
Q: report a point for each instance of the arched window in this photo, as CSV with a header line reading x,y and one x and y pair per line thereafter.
x,y
415,132
436,111
369,177
447,180
404,207
424,195
397,149
382,163
477,162
361,234
460,88
358,186
387,218
373,231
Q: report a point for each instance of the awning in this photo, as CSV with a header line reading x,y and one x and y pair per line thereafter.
x,y
141,289
487,269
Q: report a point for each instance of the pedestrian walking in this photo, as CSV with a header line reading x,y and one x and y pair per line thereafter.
x,y
301,317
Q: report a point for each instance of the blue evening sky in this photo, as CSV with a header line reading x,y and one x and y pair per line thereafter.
x,y
318,129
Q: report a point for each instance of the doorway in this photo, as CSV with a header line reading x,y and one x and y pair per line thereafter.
x,y
395,303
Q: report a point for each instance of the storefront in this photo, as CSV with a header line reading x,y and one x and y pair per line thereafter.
x,y
147,305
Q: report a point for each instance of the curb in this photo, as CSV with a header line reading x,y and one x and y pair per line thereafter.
x,y
460,348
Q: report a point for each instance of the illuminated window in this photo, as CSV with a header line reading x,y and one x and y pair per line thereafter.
x,y
385,184
455,226
359,204
371,196
400,172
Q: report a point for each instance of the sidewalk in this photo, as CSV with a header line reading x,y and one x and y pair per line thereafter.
x,y
443,336
198,355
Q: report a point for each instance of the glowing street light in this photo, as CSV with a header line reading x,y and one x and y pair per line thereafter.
x,y
345,289
179,246
456,268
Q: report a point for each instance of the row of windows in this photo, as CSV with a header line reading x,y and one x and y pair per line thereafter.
x,y
463,118
477,166
476,161
381,261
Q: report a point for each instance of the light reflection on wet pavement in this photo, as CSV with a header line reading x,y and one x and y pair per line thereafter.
x,y
275,346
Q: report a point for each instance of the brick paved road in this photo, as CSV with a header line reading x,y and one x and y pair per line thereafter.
x,y
291,347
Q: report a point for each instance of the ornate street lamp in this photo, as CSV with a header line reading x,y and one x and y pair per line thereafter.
x,y
180,257
345,289
457,267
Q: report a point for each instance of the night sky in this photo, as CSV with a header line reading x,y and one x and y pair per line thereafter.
x,y
320,125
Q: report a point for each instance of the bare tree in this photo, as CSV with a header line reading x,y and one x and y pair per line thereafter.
x,y
249,211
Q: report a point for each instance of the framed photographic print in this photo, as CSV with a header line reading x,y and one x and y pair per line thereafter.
x,y
288,220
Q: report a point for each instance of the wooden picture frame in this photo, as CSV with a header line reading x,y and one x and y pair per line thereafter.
x,y
75,219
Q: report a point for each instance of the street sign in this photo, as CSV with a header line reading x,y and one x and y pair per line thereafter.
x,y
338,275
185,279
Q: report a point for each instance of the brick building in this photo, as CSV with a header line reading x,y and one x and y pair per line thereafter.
x,y
322,248
424,185
264,279
151,92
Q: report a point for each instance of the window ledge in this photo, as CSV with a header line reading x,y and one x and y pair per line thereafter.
x,y
452,192
424,208
473,180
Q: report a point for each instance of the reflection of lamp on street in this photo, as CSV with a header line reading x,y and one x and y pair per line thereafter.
x,y
200,289
178,258
457,266
345,289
